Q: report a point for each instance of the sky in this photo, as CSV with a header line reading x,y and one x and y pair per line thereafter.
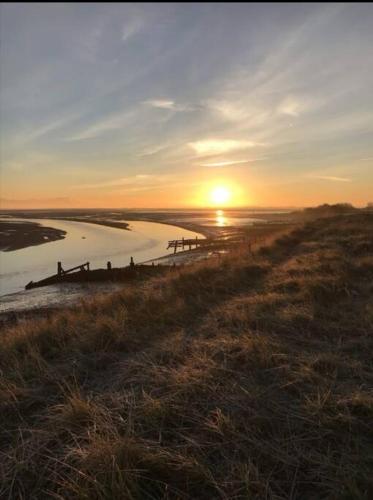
x,y
158,105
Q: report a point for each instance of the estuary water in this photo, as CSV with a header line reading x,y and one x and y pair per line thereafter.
x,y
83,242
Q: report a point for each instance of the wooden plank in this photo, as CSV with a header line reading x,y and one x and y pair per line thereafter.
x,y
81,267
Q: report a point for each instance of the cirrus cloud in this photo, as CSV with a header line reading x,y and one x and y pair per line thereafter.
x,y
227,163
169,104
330,178
219,146
161,103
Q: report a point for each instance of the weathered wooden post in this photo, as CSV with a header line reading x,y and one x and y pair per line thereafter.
x,y
175,247
59,268
87,266
109,266
183,242
132,264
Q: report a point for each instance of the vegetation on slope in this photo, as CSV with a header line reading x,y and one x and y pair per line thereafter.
x,y
245,377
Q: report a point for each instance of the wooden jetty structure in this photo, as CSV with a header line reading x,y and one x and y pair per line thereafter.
x,y
212,243
188,242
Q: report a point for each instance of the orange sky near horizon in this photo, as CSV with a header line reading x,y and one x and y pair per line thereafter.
x,y
197,195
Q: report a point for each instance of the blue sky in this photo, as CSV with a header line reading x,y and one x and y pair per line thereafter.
x,y
155,104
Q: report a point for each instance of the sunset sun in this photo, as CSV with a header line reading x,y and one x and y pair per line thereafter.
x,y
220,195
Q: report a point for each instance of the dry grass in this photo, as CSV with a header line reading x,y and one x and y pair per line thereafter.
x,y
244,377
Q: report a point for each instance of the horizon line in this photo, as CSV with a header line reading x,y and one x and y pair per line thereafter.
x,y
245,207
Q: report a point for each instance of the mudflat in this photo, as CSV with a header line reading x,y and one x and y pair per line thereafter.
x,y
16,235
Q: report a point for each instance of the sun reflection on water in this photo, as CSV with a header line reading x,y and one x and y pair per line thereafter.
x,y
220,219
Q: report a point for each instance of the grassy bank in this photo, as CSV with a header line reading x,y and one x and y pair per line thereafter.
x,y
246,376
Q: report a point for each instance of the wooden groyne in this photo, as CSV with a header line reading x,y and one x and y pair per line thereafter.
x,y
210,243
83,274
188,242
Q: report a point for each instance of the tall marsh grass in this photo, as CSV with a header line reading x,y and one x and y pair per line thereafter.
x,y
246,376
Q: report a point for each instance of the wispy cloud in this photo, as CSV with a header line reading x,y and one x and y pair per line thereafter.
x,y
161,103
159,184
112,122
226,163
152,151
137,183
168,104
131,28
230,110
296,105
28,136
51,126
219,146
118,182
30,160
330,178
290,106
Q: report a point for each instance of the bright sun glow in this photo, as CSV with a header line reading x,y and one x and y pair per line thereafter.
x,y
220,195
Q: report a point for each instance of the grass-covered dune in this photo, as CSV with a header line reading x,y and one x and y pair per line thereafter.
x,y
248,377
